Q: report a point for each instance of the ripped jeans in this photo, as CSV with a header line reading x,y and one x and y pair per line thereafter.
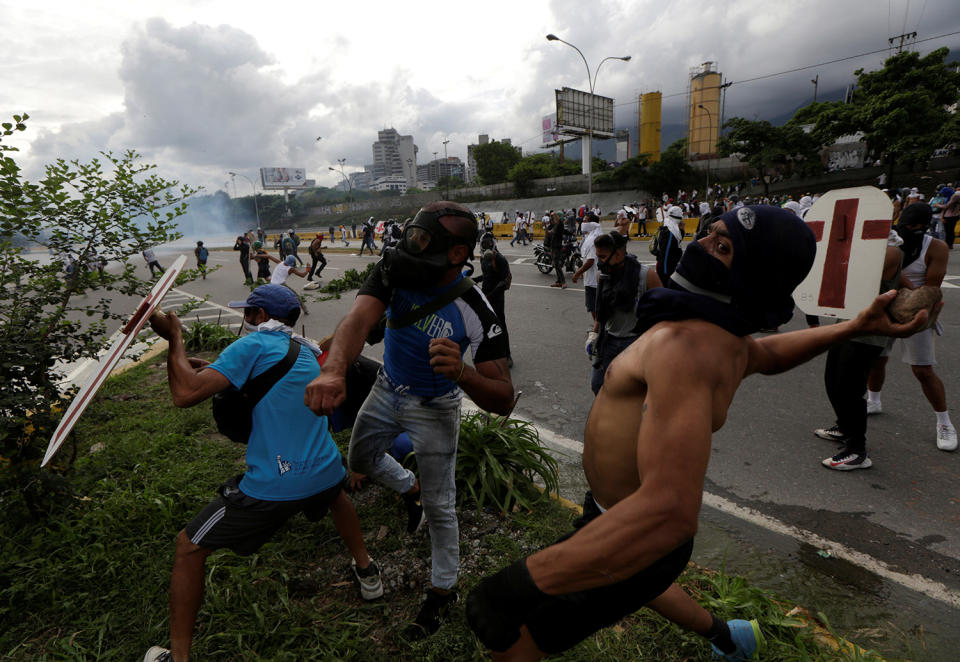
x,y
433,425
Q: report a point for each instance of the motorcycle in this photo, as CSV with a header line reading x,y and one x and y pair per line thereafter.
x,y
542,259
572,260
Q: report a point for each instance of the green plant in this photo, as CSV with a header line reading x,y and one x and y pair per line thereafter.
x,y
207,337
499,460
352,279
87,215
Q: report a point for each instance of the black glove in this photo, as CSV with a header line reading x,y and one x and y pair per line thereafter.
x,y
500,603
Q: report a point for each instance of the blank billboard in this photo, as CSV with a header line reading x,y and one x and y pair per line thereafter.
x,y
579,112
274,178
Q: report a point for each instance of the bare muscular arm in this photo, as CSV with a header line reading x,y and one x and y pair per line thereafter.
x,y
188,386
673,447
779,352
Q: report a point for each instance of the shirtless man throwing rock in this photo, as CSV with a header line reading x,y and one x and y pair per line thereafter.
x,y
646,450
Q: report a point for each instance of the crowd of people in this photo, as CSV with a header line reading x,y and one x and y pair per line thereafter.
x,y
645,450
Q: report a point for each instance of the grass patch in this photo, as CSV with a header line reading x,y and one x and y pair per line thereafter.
x,y
90,582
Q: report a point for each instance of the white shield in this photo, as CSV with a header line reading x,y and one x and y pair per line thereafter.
x,y
851,226
109,359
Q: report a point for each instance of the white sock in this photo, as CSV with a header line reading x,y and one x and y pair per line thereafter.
x,y
943,418
873,396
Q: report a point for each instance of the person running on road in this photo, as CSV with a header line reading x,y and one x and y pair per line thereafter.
x,y
282,271
316,256
152,262
262,258
201,253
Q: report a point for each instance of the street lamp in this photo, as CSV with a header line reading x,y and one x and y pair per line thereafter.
x,y
592,82
256,207
709,125
446,195
343,174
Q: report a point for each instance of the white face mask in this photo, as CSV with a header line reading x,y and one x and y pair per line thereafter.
x,y
250,328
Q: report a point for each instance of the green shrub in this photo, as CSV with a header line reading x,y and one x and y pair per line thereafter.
x,y
206,337
498,461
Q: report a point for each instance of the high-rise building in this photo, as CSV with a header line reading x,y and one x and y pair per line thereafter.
x,y
395,156
429,174
704,123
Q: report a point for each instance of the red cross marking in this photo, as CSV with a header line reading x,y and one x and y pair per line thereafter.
x,y
833,284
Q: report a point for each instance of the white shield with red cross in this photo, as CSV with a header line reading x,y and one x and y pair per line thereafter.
x,y
851,226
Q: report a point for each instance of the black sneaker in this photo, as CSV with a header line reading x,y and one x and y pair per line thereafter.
x,y
848,461
831,434
432,614
415,514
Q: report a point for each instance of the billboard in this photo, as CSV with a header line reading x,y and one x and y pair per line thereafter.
x,y
550,135
579,112
274,178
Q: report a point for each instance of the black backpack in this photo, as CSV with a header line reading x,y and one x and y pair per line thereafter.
x,y
659,242
233,408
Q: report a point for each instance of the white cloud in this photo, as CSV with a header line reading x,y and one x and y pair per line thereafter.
x,y
215,86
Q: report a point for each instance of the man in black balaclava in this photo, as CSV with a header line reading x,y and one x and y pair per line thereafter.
x,y
646,450
419,388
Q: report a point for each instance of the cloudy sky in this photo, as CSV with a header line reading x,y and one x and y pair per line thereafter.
x,y
207,86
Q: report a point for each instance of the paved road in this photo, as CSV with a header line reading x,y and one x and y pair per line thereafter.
x,y
900,520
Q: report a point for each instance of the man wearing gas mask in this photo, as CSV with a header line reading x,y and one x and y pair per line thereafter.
x,y
419,389
621,283
646,450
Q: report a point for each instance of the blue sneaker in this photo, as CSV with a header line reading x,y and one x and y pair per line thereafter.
x,y
746,636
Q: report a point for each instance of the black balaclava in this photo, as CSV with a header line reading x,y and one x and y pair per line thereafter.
x,y
773,251
919,213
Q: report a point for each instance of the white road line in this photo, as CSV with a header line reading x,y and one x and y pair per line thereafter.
x,y
914,582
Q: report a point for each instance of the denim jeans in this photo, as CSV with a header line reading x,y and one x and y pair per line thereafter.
x,y
433,425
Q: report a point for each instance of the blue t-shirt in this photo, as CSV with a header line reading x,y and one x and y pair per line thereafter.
x,y
291,454
468,321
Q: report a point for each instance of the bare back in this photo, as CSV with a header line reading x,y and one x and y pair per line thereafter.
x,y
691,368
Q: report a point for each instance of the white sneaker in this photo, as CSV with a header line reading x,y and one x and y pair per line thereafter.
x,y
158,654
874,408
368,578
946,438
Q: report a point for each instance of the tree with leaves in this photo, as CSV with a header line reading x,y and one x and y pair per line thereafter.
x,y
539,166
902,109
53,311
769,149
494,161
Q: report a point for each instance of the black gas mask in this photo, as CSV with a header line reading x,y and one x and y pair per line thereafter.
x,y
419,260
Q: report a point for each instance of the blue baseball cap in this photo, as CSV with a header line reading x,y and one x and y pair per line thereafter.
x,y
277,300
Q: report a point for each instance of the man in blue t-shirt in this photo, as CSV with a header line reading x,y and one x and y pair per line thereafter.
x,y
291,468
423,377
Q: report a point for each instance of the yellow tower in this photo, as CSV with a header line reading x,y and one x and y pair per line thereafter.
x,y
650,125
704,121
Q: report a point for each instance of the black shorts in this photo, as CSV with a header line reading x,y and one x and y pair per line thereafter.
x,y
243,524
562,621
